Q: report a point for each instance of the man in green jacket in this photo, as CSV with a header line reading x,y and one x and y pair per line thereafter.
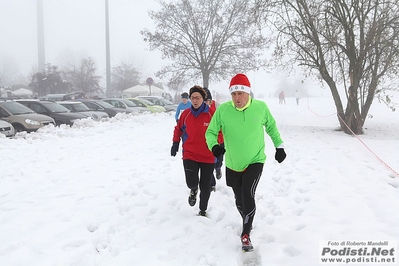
x,y
243,121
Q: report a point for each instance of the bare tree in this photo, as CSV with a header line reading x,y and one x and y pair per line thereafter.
x,y
84,78
208,39
124,76
49,81
350,43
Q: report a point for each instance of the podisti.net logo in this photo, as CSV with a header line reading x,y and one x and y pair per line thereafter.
x,y
358,252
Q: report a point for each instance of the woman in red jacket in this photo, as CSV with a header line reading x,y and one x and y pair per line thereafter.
x,y
197,158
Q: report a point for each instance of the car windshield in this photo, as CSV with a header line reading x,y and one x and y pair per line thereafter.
x,y
138,103
80,107
55,107
166,102
17,108
104,104
147,102
129,103
158,101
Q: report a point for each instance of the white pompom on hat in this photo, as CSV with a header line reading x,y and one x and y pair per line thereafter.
x,y
240,82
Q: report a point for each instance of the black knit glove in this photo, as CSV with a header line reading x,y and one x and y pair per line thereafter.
x,y
174,149
280,155
218,150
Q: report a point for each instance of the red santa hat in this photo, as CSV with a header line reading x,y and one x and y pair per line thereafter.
x,y
240,82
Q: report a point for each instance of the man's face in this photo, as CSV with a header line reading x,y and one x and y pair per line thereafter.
x,y
196,100
240,98
184,100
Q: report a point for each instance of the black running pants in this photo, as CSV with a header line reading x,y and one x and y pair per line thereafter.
x,y
244,186
205,171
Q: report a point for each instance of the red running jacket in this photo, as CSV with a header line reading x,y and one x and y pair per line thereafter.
x,y
191,128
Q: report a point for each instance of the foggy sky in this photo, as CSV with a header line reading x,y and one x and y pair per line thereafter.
x,y
75,29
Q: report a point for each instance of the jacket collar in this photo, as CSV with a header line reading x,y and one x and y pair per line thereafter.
x,y
202,109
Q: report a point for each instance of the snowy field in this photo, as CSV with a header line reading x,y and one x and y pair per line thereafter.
x,y
109,193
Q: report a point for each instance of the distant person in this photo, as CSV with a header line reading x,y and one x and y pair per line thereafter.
x,y
297,96
217,97
243,122
198,160
183,105
281,97
219,160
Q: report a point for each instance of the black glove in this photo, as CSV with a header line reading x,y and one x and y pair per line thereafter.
x,y
280,155
218,150
174,149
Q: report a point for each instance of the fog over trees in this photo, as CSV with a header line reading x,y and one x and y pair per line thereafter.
x,y
209,39
350,47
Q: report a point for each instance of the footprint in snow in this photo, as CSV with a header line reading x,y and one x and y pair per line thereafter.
x,y
92,227
291,251
250,258
303,190
298,211
300,226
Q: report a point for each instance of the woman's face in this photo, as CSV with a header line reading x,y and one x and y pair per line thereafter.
x,y
196,100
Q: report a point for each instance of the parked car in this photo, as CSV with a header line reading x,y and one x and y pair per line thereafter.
x,y
59,113
63,96
81,108
161,101
53,97
100,105
6,129
147,104
23,118
125,104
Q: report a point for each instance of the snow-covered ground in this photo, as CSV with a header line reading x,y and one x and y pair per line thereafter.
x,y
109,193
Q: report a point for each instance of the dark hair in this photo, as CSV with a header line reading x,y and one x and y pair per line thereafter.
x,y
200,90
208,93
